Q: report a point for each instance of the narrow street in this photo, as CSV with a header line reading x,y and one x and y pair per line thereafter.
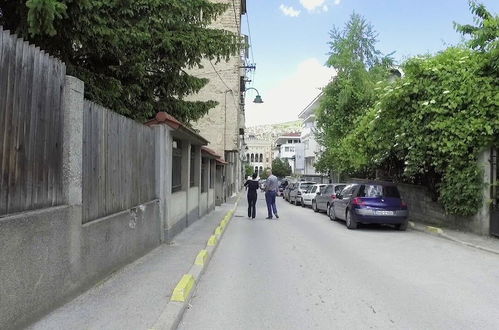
x,y
304,271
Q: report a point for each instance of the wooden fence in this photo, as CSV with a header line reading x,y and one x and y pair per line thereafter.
x,y
31,89
118,163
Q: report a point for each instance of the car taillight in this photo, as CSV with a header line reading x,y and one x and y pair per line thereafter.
x,y
333,196
403,204
358,201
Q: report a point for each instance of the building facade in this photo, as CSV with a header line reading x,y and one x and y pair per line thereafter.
x,y
224,125
258,154
311,148
285,148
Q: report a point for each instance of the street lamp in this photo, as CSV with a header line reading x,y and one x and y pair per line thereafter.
x,y
258,98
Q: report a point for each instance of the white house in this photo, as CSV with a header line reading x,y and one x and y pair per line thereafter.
x,y
285,148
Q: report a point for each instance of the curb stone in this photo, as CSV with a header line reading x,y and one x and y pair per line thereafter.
x,y
174,311
439,232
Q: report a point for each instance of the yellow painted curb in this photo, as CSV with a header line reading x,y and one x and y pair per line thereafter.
x,y
212,241
201,258
218,232
183,288
223,224
434,229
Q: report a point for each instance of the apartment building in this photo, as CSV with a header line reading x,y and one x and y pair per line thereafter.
x,y
258,153
224,125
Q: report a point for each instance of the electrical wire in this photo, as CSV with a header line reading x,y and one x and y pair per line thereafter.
x,y
227,86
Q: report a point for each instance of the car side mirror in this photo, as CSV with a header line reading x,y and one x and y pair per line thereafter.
x,y
318,193
339,196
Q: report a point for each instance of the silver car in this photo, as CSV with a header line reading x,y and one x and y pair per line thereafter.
x,y
310,194
299,189
325,196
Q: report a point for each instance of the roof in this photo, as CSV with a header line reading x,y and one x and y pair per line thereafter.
x,y
310,108
182,130
290,134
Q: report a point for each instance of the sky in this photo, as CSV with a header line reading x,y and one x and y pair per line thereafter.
x,y
289,43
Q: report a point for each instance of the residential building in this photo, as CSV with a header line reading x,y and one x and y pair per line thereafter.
x,y
311,148
224,125
285,148
258,153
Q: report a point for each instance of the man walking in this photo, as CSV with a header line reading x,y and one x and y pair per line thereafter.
x,y
271,186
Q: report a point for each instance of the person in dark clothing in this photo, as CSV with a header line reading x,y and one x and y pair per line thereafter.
x,y
252,186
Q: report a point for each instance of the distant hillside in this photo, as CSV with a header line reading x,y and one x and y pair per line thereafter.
x,y
271,132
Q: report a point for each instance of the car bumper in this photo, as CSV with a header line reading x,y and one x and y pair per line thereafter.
x,y
369,216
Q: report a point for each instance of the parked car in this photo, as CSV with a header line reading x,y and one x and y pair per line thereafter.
x,y
325,196
310,194
374,202
299,189
282,185
286,191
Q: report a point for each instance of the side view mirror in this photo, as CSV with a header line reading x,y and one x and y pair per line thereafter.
x,y
338,195
318,193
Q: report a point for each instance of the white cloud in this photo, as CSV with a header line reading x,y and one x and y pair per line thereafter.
x,y
337,2
289,11
311,5
285,100
325,8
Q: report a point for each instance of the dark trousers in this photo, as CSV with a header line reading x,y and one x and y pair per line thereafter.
x,y
251,206
270,199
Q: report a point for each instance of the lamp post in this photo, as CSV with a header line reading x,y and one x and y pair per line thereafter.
x,y
258,98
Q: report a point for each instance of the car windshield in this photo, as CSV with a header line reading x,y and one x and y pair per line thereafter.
x,y
375,190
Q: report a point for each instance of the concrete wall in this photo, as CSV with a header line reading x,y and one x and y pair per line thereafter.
x,y
203,204
177,219
423,209
47,256
193,205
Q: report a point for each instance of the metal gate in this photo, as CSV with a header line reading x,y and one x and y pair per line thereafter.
x,y
494,193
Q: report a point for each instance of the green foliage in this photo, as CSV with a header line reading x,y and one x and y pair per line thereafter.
x,y
426,127
348,97
248,170
280,168
264,175
131,54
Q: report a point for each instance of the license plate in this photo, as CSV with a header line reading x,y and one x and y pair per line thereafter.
x,y
384,213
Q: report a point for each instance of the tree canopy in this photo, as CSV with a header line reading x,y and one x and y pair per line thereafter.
x,y
280,168
131,54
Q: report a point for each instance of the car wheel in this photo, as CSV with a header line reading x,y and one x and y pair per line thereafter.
x,y
327,209
331,213
351,223
314,206
401,226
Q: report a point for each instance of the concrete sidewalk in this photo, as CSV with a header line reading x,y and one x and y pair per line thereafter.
x,y
485,243
135,296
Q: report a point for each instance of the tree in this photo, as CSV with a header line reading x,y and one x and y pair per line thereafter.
x,y
248,170
360,66
131,54
280,168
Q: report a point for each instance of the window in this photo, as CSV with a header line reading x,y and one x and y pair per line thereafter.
x,y
176,166
372,190
261,158
261,169
256,169
252,158
286,149
290,141
348,191
339,188
313,189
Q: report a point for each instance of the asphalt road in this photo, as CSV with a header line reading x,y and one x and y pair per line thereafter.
x,y
304,271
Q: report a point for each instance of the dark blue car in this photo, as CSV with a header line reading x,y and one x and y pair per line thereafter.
x,y
373,202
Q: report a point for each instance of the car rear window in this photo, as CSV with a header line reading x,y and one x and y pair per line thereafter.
x,y
375,190
339,188
306,185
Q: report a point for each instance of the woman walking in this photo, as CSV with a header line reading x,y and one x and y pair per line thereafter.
x,y
252,186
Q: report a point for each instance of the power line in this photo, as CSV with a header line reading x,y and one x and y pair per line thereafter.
x,y
223,81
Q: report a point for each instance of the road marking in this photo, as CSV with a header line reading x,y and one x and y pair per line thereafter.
x,y
212,241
